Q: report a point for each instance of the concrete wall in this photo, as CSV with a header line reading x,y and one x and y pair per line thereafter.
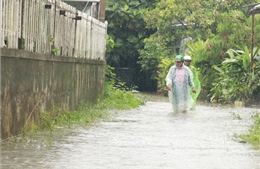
x,y
31,83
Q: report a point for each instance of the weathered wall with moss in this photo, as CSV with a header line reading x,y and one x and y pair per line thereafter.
x,y
32,83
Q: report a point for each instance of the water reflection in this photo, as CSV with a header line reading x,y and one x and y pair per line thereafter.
x,y
150,137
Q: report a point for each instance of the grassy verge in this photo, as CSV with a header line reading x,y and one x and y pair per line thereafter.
x,y
253,134
116,99
57,123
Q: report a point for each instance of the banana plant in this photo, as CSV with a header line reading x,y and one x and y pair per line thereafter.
x,y
235,81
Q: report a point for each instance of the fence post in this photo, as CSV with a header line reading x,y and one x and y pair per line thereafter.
x,y
102,10
54,25
75,35
21,39
1,37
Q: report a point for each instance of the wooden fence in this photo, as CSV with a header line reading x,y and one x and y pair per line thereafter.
x,y
52,26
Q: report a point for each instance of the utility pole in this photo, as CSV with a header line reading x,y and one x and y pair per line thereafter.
x,y
253,11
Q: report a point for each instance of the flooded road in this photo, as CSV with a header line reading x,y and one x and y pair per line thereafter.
x,y
150,137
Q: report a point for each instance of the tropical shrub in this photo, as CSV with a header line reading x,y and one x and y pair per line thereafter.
x,y
163,69
235,81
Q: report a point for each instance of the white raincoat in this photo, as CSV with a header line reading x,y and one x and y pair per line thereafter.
x,y
180,78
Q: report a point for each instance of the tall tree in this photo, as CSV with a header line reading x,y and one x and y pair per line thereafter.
x,y
207,22
126,30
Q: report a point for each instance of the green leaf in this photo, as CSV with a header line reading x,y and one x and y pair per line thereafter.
x,y
218,69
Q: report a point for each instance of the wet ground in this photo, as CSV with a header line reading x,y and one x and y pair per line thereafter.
x,y
150,137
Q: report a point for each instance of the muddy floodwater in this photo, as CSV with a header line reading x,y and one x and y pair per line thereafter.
x,y
150,137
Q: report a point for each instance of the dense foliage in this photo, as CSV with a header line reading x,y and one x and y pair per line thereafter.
x,y
234,80
126,30
147,36
126,33
206,30
177,20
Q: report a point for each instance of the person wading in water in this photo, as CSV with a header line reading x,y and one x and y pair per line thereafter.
x,y
179,81
195,79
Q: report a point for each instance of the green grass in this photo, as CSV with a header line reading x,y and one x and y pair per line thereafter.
x,y
55,123
253,134
114,99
